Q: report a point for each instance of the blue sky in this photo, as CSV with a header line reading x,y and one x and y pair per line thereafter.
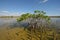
x,y
18,7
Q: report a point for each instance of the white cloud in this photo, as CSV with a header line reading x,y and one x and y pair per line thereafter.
x,y
22,13
44,1
7,13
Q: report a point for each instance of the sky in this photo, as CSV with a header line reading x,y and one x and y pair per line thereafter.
x,y
18,7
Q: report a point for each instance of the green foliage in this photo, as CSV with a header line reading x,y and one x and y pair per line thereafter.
x,y
24,17
37,14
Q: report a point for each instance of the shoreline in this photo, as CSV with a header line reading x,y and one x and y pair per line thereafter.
x,y
19,16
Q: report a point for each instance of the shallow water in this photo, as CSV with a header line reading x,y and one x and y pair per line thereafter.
x,y
4,21
12,21
56,21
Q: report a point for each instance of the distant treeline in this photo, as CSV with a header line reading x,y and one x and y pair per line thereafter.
x,y
9,16
54,16
18,16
